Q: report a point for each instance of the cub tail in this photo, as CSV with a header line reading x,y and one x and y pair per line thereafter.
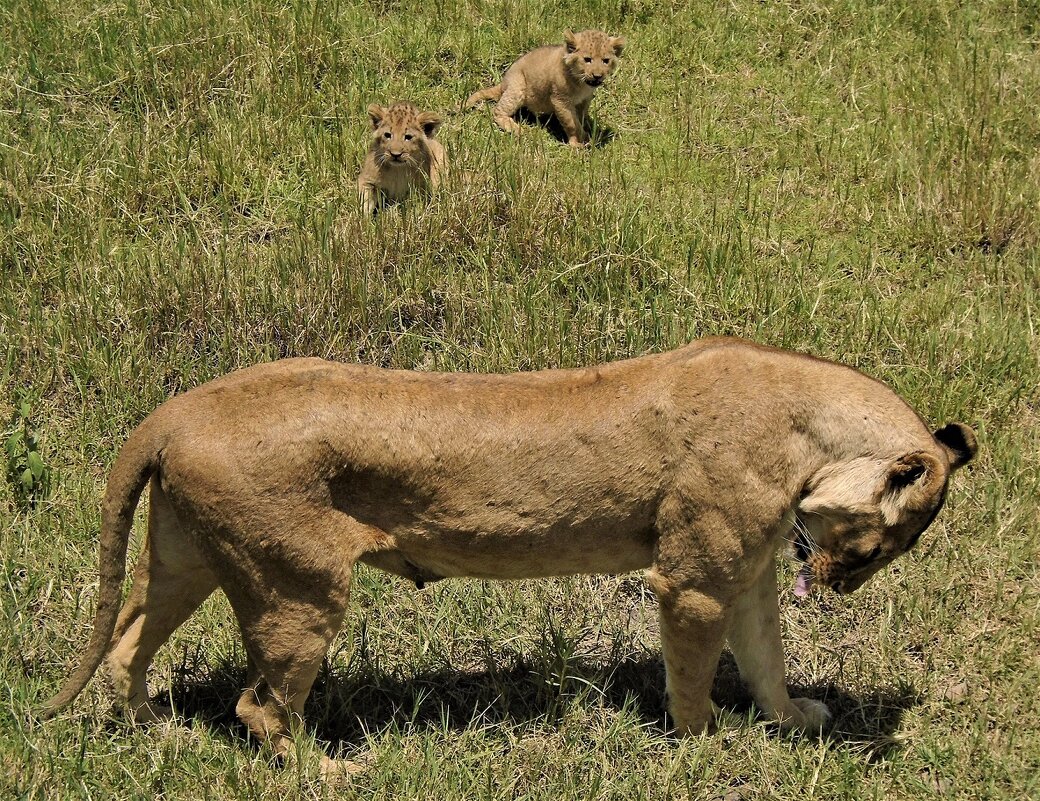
x,y
491,93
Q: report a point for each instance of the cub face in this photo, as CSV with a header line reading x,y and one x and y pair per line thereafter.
x,y
856,518
591,55
401,134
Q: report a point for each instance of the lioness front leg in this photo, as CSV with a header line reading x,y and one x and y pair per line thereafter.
x,y
693,627
754,638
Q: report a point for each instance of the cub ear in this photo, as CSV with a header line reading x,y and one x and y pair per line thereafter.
x,y
429,122
570,40
618,43
376,114
959,442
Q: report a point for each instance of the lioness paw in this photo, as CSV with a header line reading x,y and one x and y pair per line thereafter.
x,y
806,714
152,713
335,771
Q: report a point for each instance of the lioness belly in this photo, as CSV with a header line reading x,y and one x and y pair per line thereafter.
x,y
426,556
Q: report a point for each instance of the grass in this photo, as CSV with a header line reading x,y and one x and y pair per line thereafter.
x,y
853,179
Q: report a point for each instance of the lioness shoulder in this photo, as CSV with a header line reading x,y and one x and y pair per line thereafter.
x,y
403,156
558,80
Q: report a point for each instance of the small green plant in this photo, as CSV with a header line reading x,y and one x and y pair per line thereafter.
x,y
28,473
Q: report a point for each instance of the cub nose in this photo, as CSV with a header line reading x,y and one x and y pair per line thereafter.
x,y
397,154
595,80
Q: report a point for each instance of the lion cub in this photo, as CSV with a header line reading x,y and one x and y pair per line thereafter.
x,y
556,79
403,157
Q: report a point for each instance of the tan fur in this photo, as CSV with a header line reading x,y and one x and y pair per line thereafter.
x,y
272,482
557,79
403,157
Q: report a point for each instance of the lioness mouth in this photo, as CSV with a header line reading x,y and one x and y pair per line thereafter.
x,y
803,581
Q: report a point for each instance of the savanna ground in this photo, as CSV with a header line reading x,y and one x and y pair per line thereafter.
x,y
858,180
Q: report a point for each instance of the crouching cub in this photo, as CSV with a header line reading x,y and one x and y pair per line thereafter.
x,y
556,79
697,464
403,157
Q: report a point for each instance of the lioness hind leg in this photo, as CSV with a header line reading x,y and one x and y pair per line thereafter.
x,y
754,638
170,582
289,609
286,648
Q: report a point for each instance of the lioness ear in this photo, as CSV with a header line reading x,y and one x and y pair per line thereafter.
x,y
570,41
429,122
959,442
912,484
376,114
618,43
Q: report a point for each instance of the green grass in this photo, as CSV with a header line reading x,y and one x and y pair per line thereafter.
x,y
854,179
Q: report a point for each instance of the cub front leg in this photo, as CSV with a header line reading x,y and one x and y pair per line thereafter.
x,y
754,639
568,117
581,109
367,196
693,627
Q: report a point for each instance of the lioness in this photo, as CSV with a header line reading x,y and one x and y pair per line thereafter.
x,y
403,157
556,79
698,463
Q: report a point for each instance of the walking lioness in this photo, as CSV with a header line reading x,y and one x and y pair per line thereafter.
x,y
271,482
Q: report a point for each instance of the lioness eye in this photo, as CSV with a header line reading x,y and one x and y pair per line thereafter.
x,y
588,60
874,554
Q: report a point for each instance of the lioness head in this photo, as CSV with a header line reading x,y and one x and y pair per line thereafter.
x,y
856,517
401,134
592,55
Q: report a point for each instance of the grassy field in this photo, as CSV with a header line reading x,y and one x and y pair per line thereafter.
x,y
858,180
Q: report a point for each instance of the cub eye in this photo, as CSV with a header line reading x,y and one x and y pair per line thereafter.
x,y
588,60
386,134
606,61
408,137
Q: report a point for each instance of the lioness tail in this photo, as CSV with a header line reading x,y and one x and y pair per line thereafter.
x,y
491,93
136,462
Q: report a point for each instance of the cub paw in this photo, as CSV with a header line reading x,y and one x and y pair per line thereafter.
x,y
806,714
